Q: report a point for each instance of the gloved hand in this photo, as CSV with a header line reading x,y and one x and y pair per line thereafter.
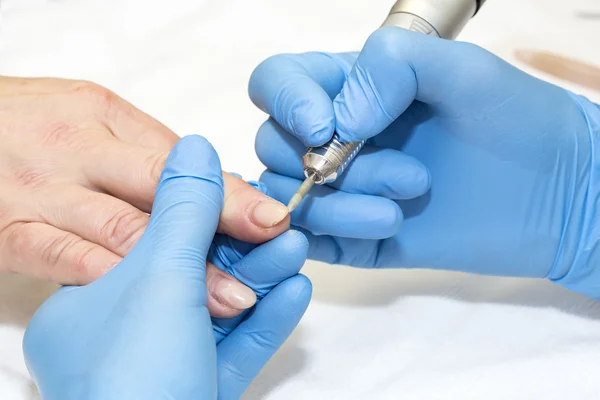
x,y
143,331
511,161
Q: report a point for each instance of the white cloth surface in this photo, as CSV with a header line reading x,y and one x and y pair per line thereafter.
x,y
367,334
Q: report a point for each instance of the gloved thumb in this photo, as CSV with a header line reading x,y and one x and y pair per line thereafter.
x,y
397,66
186,209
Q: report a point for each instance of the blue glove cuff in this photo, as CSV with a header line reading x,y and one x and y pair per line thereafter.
x,y
584,274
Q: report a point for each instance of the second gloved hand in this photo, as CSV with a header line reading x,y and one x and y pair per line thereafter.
x,y
143,331
512,160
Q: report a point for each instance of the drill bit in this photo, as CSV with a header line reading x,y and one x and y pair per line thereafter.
x,y
302,191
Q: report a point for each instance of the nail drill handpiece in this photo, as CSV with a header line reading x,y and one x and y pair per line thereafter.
x,y
440,18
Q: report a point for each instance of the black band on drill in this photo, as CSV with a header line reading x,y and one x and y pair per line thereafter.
x,y
479,4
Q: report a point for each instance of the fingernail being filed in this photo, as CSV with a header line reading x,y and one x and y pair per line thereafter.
x,y
269,213
232,293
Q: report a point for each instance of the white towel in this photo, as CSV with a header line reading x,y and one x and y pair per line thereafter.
x,y
368,334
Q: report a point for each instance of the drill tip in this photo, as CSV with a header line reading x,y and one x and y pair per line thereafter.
x,y
302,191
294,202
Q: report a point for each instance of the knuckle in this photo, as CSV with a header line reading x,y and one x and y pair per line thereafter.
x,y
476,63
18,240
6,214
68,251
393,43
239,192
21,240
55,249
123,229
472,49
58,132
83,263
98,95
30,175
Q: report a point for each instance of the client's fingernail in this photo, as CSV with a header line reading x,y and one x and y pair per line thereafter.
x,y
269,213
233,294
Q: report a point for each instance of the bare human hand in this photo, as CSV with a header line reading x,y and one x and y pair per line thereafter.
x,y
78,171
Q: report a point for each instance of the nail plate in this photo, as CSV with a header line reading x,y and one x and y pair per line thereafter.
x,y
234,294
269,213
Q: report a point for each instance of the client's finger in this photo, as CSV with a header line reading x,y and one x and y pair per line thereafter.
x,y
131,173
250,215
126,171
117,226
96,217
326,211
45,252
227,296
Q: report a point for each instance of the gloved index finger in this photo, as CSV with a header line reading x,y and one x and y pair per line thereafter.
x,y
297,91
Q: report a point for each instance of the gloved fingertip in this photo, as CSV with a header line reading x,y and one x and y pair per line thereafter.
x,y
412,181
313,122
319,136
297,240
396,219
264,176
422,181
305,286
291,248
319,133
299,291
193,156
382,224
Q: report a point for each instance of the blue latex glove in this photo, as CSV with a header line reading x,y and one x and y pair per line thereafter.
x,y
512,160
143,331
